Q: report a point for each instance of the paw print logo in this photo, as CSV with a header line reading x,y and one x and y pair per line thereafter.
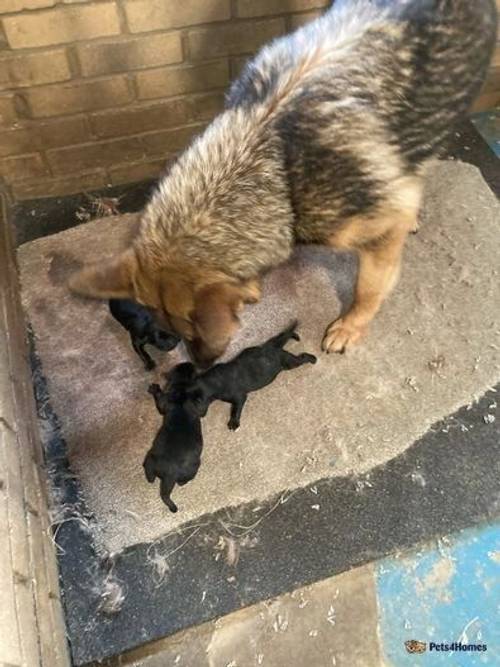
x,y
414,646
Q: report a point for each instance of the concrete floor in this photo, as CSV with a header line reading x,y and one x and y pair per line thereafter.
x,y
331,623
445,592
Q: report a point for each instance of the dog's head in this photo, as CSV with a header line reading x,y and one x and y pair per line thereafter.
x,y
199,305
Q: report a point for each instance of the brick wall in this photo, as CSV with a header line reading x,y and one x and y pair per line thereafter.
x,y
98,92
103,92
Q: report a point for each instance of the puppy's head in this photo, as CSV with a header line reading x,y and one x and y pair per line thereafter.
x,y
199,305
197,400
182,374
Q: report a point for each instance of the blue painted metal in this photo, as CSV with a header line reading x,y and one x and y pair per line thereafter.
x,y
487,123
446,593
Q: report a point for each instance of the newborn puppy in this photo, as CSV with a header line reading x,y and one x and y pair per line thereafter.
x,y
176,451
141,325
252,369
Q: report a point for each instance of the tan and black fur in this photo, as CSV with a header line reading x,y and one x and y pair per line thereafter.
x,y
326,138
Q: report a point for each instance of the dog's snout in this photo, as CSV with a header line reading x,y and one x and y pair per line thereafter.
x,y
201,355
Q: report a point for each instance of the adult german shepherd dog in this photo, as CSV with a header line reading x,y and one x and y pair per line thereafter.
x,y
326,138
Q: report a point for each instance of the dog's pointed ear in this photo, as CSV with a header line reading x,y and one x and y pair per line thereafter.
x,y
215,319
113,279
150,467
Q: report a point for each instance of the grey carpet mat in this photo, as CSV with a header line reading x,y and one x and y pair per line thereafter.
x,y
433,348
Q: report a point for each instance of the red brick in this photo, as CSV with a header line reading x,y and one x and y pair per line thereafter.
x,y
140,171
298,20
171,113
18,5
233,39
170,141
22,167
90,156
151,51
78,97
250,8
62,24
17,71
180,80
8,114
42,136
57,187
237,64
145,15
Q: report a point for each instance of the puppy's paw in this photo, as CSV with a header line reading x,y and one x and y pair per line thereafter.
x,y
154,389
149,365
309,358
295,336
233,424
341,335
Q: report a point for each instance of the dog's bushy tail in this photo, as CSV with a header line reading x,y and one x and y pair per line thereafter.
x,y
280,339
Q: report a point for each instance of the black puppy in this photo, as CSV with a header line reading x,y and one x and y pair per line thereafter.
x,y
252,369
143,330
176,452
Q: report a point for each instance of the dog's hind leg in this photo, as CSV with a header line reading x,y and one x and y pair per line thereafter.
x,y
290,361
236,409
149,364
283,337
150,467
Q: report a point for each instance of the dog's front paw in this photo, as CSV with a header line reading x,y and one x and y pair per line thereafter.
x,y
233,424
309,358
341,335
154,389
295,336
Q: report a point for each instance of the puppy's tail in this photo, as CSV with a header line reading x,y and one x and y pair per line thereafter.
x,y
283,337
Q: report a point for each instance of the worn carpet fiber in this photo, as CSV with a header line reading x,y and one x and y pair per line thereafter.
x,y
433,348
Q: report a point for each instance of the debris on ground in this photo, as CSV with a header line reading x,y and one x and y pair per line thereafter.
x,y
111,595
412,383
418,478
280,624
363,483
99,207
436,364
331,616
